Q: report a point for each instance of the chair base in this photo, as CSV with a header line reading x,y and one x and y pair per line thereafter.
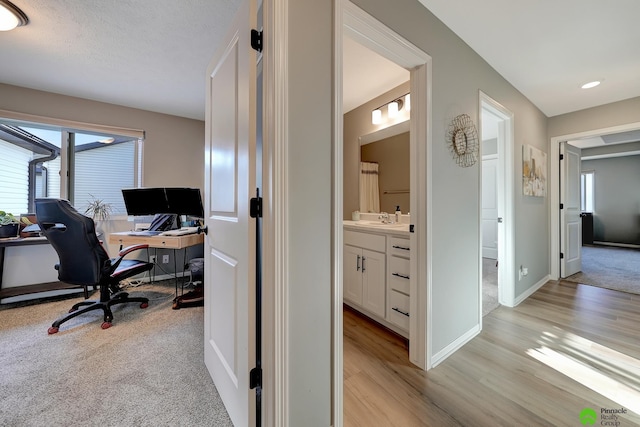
x,y
105,306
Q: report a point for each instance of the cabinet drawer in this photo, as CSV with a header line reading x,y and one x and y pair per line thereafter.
x,y
399,246
375,242
399,274
398,309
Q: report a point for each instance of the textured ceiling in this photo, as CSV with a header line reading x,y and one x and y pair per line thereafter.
x,y
148,54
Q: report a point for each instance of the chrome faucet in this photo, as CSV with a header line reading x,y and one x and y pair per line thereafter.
x,y
384,217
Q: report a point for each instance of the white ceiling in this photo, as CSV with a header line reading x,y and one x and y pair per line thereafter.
x,y
153,54
548,49
148,54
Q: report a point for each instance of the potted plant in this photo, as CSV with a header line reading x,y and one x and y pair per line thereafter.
x,y
9,225
99,210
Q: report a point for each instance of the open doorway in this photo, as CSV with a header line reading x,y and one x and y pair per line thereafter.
x,y
366,30
496,206
605,179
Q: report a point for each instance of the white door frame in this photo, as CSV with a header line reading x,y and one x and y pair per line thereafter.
x,y
506,183
554,187
362,27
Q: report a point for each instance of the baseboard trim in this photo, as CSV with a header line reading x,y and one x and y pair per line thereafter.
x,y
618,245
443,354
526,294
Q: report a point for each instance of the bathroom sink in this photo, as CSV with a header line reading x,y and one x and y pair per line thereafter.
x,y
380,224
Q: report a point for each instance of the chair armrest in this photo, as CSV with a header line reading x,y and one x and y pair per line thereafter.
x,y
132,248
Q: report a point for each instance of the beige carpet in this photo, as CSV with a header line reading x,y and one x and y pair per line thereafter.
x,y
146,370
489,286
610,267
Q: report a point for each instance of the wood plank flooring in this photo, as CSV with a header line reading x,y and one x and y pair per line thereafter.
x,y
567,347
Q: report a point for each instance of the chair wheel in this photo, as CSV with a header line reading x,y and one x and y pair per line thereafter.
x,y
52,330
144,305
106,325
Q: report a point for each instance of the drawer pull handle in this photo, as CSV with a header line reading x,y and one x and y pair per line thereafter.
x,y
400,275
400,311
358,264
363,259
401,247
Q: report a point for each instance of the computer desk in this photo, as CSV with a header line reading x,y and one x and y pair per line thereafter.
x,y
176,243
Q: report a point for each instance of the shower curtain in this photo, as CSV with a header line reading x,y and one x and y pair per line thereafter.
x,y
369,191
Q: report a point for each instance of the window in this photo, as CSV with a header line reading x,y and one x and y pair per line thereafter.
x,y
39,160
587,190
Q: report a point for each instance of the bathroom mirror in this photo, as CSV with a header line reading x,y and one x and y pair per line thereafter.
x,y
387,151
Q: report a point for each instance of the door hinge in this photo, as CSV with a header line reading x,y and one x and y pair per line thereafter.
x,y
256,40
561,156
561,255
411,226
561,205
255,378
255,207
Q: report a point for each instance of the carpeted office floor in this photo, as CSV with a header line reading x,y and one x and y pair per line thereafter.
x,y
610,267
146,370
489,286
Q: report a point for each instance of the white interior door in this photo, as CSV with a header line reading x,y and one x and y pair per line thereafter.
x,y
230,150
570,220
490,207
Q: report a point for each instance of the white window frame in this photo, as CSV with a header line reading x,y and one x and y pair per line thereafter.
x,y
586,193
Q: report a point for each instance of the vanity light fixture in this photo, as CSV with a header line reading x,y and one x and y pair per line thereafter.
x,y
393,108
592,84
11,16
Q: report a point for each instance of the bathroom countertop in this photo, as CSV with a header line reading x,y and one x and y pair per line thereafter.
x,y
377,227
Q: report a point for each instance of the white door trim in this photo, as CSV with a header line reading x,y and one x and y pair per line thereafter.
x,y
350,19
275,280
554,187
506,184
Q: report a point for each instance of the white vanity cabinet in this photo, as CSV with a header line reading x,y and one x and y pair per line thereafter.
x,y
398,295
364,268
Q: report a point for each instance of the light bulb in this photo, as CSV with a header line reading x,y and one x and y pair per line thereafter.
x,y
8,21
393,109
376,116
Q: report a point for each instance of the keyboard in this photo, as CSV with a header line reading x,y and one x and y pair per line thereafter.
x,y
181,231
144,233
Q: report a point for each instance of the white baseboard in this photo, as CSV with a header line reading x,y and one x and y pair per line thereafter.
x,y
442,355
532,290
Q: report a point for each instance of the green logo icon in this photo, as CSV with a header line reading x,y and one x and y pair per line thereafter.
x,y
588,416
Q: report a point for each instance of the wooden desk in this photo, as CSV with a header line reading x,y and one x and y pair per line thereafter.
x,y
125,239
169,242
27,289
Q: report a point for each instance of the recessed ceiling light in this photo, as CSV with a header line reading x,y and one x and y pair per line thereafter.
x,y
591,84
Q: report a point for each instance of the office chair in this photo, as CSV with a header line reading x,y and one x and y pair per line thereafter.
x,y
83,261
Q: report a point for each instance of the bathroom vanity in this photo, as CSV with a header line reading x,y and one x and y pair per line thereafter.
x,y
376,271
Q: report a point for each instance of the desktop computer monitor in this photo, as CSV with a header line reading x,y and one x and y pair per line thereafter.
x,y
145,201
185,201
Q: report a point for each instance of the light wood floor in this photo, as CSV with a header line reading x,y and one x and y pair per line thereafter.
x,y
591,337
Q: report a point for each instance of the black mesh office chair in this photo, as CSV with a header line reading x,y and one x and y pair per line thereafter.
x,y
83,260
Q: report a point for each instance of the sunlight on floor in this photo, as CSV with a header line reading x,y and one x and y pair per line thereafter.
x,y
608,372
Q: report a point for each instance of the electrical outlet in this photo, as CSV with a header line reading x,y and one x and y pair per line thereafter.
x,y
152,259
165,259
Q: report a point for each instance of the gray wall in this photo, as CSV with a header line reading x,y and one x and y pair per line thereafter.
x,y
309,210
617,199
173,147
614,114
458,75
